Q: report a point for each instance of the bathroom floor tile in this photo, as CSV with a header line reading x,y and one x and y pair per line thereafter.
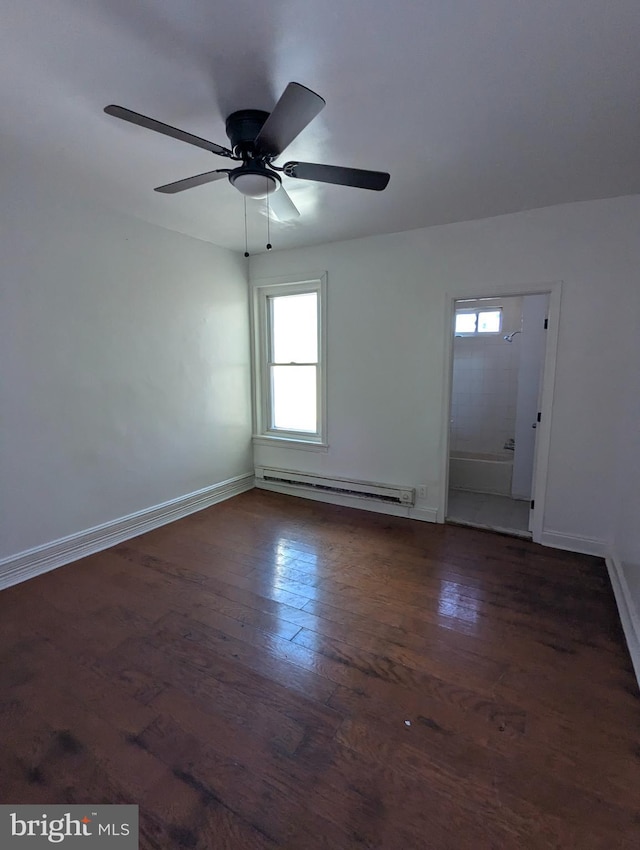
x,y
485,510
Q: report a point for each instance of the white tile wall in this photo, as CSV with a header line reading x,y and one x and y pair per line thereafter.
x,y
485,385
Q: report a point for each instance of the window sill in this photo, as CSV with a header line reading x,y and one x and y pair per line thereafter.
x,y
481,335
289,443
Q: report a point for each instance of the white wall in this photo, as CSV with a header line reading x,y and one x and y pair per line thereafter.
x,y
387,338
626,532
124,352
625,543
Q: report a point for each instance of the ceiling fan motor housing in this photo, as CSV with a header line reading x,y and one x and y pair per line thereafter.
x,y
242,129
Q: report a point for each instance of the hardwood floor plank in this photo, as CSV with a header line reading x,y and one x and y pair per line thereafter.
x,y
187,642
243,788
287,661
456,667
145,658
199,819
444,645
218,578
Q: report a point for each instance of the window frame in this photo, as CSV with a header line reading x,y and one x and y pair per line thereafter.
x,y
477,310
262,291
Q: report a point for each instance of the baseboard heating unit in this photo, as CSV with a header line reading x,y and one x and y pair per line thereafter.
x,y
304,482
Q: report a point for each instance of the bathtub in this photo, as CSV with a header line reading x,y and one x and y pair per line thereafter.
x,y
481,473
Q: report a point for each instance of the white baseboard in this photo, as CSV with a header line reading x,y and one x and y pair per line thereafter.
x,y
574,543
424,514
50,556
629,614
363,504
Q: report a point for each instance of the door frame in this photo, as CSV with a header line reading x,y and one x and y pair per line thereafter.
x,y
543,437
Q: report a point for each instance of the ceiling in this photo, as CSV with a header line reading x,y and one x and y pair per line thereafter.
x,y
475,107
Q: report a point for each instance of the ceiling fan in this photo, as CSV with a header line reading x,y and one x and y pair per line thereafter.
x,y
256,139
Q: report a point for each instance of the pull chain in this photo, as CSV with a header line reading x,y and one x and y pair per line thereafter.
x,y
269,245
246,246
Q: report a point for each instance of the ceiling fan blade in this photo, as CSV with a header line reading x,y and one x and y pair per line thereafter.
x,y
159,127
282,206
357,177
297,106
190,182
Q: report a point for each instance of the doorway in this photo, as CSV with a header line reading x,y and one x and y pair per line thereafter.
x,y
501,360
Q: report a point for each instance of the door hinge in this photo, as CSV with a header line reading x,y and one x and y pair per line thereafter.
x,y
539,416
546,324
533,504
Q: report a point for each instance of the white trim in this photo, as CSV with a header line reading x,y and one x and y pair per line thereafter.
x,y
629,615
261,289
287,443
543,439
50,556
574,543
554,290
299,277
424,514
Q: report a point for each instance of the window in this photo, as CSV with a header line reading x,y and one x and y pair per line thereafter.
x,y
289,346
476,322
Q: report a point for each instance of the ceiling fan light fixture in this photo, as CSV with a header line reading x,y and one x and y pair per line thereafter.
x,y
254,184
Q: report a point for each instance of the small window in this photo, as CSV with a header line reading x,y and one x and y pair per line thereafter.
x,y
476,322
289,361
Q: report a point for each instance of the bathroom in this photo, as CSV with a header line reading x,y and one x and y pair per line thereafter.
x,y
498,355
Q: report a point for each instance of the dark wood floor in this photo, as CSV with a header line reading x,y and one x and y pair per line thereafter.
x,y
248,676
